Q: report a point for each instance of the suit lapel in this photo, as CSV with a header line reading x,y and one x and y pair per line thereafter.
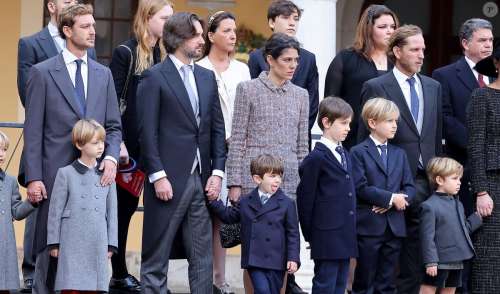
x,y
173,79
254,200
393,90
391,162
63,81
94,79
201,81
47,43
373,151
465,74
322,147
429,105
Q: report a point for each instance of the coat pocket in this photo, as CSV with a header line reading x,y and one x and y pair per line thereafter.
x,y
66,213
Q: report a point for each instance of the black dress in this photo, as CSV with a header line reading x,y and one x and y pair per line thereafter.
x,y
345,77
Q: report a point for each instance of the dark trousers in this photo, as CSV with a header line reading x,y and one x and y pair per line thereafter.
x,y
266,281
45,273
410,261
127,205
377,263
28,266
330,276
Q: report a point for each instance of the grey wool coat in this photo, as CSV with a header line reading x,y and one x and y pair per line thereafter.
x,y
11,207
83,224
268,119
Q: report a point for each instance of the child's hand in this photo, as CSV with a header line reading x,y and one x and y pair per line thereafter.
x,y
110,253
380,210
54,252
399,201
291,266
432,270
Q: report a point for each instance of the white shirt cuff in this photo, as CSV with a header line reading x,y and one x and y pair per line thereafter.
x,y
390,201
156,176
109,157
218,172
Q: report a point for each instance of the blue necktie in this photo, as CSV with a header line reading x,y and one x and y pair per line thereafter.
x,y
340,150
383,155
413,98
191,93
264,198
79,88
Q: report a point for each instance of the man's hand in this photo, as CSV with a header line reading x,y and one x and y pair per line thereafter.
x,y
36,191
54,252
124,157
213,187
484,204
399,201
379,210
163,189
109,175
291,267
234,194
432,271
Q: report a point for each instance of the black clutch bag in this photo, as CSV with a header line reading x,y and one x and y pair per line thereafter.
x,y
230,234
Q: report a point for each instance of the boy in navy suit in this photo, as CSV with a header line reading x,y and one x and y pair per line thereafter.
x,y
270,239
384,188
326,200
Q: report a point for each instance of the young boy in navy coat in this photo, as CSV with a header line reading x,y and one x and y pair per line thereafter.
x,y
384,188
326,200
270,239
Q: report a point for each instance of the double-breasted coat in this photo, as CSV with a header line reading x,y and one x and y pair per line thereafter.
x,y
82,223
11,207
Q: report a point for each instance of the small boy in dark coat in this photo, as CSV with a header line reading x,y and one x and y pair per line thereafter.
x,y
444,230
384,188
326,200
270,239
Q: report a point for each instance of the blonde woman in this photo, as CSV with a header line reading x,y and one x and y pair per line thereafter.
x,y
129,60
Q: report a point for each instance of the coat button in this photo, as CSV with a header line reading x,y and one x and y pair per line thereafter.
x,y
350,194
347,177
84,195
96,209
2,212
96,196
351,212
255,220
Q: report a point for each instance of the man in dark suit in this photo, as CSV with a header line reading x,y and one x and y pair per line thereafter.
x,y
419,132
283,17
33,49
183,149
457,81
61,91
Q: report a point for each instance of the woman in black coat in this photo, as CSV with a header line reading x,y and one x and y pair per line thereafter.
x,y
129,60
365,60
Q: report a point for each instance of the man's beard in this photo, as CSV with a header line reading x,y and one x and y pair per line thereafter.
x,y
192,54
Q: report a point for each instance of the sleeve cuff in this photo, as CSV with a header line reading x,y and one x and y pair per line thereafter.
x,y
218,172
109,157
431,264
52,246
390,201
156,176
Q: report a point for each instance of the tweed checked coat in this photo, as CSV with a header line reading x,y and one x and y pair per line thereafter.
x,y
11,207
268,119
83,224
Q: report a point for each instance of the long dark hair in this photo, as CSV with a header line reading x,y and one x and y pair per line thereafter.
x,y
212,24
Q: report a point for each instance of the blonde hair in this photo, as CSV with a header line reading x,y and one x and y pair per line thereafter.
x,y
378,109
85,130
4,140
144,54
442,167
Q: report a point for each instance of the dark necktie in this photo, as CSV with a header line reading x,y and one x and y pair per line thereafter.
x,y
264,198
480,81
413,99
340,150
79,88
383,155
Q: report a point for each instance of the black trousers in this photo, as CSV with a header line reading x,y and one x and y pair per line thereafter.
x,y
127,205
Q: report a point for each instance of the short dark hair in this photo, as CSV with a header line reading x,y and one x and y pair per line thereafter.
x,y
333,108
266,163
282,7
68,14
278,42
179,28
213,23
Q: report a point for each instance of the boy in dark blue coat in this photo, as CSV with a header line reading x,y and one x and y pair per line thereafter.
x,y
270,239
384,188
326,200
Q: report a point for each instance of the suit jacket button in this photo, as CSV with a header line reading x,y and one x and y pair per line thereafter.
x,y
351,212
2,212
254,220
347,177
96,209
83,195
96,196
350,194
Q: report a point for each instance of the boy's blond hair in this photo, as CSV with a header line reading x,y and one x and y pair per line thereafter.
x,y
442,167
378,109
85,130
266,163
4,140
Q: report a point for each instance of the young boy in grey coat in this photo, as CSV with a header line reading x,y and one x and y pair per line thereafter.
x,y
11,207
82,222
444,230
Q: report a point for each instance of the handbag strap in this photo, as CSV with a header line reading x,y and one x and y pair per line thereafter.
x,y
123,101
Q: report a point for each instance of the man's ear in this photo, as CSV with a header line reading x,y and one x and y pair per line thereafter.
x,y
397,52
270,22
67,31
326,122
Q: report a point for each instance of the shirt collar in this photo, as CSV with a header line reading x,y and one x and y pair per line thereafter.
x,y
263,193
81,167
329,143
53,30
402,78
470,63
264,78
377,143
70,57
178,64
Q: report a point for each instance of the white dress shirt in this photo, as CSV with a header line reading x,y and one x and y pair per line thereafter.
x,y
476,74
405,88
56,37
178,65
332,145
69,60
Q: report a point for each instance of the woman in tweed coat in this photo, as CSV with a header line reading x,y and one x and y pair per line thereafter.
x,y
483,123
11,207
270,116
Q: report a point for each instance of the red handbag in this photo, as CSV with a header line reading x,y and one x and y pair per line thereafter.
x,y
130,178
